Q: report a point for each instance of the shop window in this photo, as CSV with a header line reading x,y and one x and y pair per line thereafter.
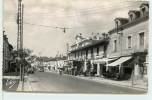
x,y
129,42
87,53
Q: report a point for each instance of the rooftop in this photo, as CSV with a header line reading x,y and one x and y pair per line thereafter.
x,y
93,43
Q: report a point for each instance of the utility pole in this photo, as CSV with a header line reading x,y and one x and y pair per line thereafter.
x,y
22,55
19,25
20,38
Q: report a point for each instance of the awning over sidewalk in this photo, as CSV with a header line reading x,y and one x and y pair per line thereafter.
x,y
119,61
103,60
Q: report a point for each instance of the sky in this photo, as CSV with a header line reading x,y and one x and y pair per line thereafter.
x,y
80,16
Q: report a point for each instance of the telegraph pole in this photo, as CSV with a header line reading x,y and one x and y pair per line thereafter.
x,y
19,25
20,38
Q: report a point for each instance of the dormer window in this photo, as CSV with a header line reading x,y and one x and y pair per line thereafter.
x,y
133,14
120,21
144,8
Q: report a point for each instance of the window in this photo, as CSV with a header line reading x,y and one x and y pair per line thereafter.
x,y
115,45
97,51
92,52
143,10
129,41
141,39
116,24
75,55
131,17
86,53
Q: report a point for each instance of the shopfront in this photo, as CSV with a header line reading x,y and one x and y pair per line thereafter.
x,y
121,68
100,66
140,65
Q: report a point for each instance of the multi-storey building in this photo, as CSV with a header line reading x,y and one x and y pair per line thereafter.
x,y
129,43
122,54
85,52
7,54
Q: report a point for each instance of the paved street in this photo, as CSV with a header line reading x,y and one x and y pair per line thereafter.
x,y
55,83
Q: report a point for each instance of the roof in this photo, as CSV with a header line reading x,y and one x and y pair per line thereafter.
x,y
129,24
144,4
123,20
80,36
81,42
94,43
135,12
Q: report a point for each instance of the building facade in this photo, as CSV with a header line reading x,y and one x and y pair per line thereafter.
x,y
122,54
7,54
85,52
129,44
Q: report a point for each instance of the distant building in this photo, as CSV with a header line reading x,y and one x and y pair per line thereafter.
x,y
7,54
129,44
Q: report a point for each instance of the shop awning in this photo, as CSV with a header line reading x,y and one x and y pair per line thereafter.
x,y
103,60
119,61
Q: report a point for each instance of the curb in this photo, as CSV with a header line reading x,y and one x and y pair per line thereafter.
x,y
11,77
116,84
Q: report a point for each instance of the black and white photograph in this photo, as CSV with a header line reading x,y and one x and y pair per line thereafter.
x,y
75,46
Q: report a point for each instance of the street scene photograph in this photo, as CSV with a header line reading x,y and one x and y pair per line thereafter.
x,y
75,46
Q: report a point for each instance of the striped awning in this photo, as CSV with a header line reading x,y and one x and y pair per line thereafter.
x,y
119,61
103,60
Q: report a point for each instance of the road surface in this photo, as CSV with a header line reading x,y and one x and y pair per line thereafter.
x,y
55,83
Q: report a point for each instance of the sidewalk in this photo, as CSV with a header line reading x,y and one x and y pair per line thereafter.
x,y
24,87
139,85
11,77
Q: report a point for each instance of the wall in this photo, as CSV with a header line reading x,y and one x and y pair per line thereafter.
x,y
6,55
132,31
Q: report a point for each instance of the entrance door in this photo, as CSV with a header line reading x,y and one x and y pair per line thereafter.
x,y
94,69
